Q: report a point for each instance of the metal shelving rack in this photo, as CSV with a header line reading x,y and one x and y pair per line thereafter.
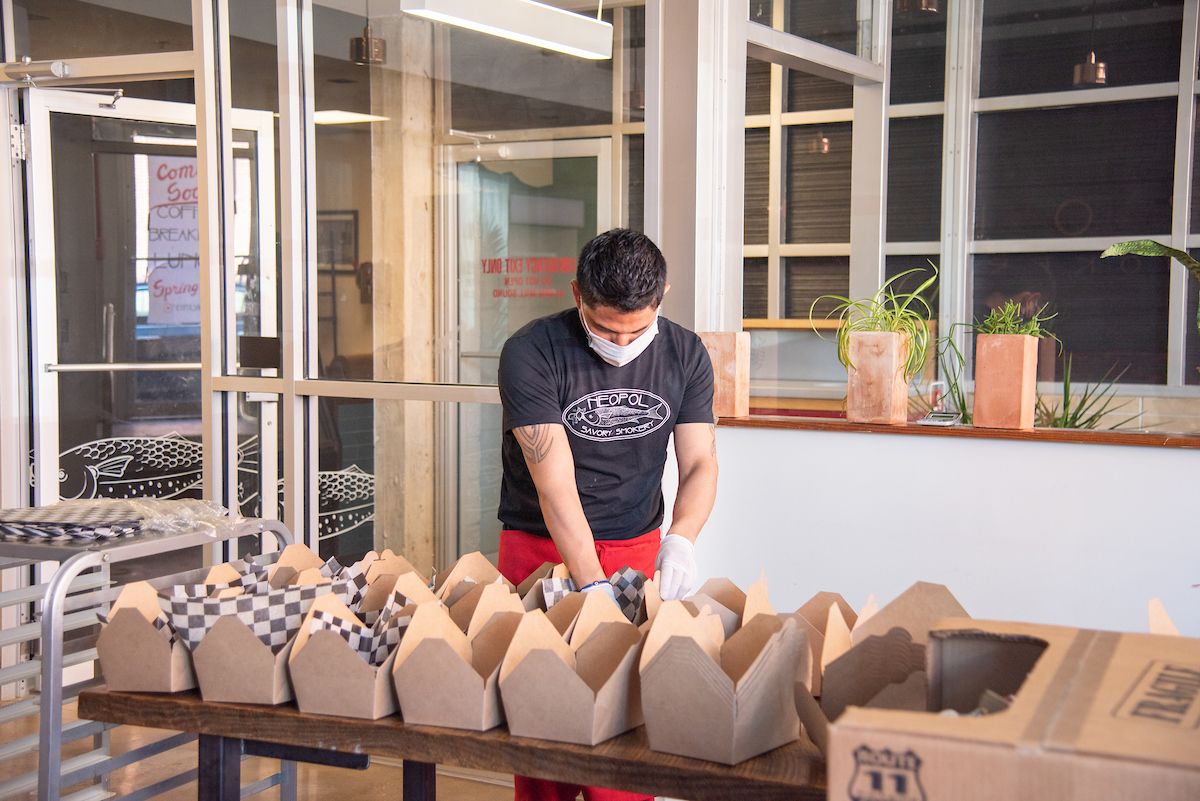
x,y
70,600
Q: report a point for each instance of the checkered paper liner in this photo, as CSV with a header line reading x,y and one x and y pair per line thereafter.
x,y
630,588
555,589
160,623
372,644
628,585
58,532
273,617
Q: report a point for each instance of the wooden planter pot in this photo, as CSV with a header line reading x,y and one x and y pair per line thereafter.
x,y
1005,380
876,391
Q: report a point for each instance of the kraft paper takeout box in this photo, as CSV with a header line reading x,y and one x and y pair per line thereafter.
x,y
234,666
134,655
722,700
582,691
447,677
885,648
330,678
470,569
1096,715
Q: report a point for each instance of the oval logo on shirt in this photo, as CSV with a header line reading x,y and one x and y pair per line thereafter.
x,y
616,414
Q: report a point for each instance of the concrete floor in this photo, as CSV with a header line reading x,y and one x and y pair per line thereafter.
x,y
379,782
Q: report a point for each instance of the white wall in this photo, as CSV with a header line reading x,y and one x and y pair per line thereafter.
x,y
1071,534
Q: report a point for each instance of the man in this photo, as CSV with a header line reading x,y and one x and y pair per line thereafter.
x,y
591,396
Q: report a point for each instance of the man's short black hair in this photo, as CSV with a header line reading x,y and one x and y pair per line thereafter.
x,y
622,269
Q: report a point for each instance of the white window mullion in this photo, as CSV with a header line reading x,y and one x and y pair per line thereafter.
x,y
958,166
1178,325
297,219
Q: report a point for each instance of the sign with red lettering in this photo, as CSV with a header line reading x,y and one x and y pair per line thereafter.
x,y
534,276
174,241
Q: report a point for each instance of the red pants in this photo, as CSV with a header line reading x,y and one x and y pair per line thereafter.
x,y
520,555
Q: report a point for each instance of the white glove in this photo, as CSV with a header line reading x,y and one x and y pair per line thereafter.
x,y
605,587
677,561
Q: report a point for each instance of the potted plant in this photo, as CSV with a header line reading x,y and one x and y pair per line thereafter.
x,y
882,343
1006,349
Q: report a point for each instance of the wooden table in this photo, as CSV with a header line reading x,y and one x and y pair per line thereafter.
x,y
794,771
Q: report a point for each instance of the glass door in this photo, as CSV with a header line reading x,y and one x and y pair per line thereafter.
x,y
115,281
522,213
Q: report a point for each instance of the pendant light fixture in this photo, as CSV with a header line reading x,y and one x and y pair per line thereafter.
x,y
525,21
366,49
1090,72
916,6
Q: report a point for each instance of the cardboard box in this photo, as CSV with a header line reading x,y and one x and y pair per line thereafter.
x,y
135,655
579,689
1096,715
447,677
469,570
724,700
331,678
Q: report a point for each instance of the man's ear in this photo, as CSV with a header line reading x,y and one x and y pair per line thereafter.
x,y
575,291
666,289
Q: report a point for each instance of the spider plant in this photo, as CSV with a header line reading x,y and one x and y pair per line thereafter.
x,y
888,311
1148,247
1007,319
1088,409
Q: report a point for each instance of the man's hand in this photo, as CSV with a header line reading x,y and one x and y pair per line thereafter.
x,y
677,563
552,466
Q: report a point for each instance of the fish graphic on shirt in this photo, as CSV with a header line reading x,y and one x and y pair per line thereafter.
x,y
609,416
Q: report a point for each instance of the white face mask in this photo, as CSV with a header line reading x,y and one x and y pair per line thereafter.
x,y
620,355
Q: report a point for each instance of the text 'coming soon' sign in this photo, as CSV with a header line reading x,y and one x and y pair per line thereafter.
x,y
174,242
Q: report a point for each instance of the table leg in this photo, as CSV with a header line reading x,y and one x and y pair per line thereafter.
x,y
220,774
420,781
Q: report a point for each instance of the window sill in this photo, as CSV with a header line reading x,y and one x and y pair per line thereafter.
x,y
1144,438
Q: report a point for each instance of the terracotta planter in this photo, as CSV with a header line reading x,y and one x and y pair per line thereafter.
x,y
876,391
1005,380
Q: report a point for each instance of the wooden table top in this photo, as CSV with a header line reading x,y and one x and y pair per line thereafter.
x,y
794,771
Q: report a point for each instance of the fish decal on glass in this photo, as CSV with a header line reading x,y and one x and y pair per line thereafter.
x,y
172,466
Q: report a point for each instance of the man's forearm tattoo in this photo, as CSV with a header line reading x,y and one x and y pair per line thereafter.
x,y
535,442
712,429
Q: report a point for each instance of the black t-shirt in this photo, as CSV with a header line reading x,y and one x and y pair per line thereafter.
x,y
618,419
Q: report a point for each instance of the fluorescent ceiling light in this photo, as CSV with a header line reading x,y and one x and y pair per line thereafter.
x,y
335,117
525,21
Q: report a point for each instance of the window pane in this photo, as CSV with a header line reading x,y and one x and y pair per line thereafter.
x,y
451,200
919,56
761,11
817,178
635,154
807,92
758,87
1195,221
398,441
635,64
1191,356
1110,314
1103,170
68,29
830,22
498,84
1034,47
756,198
896,265
810,278
914,179
754,288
